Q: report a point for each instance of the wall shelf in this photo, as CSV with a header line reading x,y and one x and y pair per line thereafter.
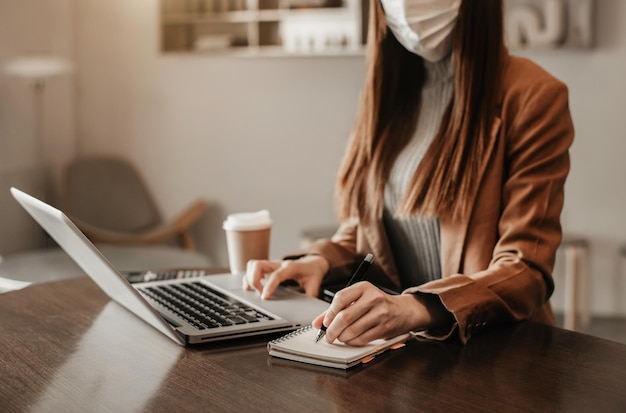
x,y
338,27
248,27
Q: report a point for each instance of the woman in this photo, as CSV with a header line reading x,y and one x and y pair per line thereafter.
x,y
453,178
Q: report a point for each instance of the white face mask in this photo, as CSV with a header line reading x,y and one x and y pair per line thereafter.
x,y
424,27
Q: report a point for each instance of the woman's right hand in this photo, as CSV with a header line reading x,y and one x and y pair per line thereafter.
x,y
265,276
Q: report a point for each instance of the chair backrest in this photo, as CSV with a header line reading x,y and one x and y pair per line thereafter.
x,y
107,192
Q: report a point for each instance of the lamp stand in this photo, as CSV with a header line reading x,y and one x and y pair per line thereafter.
x,y
40,136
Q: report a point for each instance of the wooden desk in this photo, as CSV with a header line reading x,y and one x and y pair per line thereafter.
x,y
65,347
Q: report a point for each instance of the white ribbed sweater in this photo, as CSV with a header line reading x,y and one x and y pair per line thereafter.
x,y
415,241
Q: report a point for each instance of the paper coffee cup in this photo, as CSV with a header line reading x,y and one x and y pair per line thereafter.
x,y
247,238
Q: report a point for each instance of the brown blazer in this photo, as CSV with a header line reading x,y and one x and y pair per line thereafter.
x,y
496,261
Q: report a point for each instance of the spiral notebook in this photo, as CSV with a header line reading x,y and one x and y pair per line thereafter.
x,y
300,345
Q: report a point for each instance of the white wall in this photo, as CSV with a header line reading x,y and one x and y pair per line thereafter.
x,y
29,27
243,133
269,132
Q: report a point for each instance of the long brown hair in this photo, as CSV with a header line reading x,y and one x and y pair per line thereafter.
x,y
388,111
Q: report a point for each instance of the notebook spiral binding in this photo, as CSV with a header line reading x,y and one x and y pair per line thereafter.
x,y
289,335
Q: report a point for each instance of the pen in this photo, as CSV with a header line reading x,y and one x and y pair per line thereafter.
x,y
356,277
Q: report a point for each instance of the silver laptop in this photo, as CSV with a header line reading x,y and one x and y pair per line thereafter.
x,y
190,310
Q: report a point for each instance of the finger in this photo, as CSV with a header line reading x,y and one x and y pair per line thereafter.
x,y
382,319
342,300
318,321
255,272
252,277
245,283
283,273
344,318
312,287
347,325
362,331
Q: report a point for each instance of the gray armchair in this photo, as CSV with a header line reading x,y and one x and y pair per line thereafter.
x,y
108,200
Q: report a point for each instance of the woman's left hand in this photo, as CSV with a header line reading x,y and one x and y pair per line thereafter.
x,y
362,312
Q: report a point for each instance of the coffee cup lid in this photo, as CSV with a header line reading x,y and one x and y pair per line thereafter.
x,y
248,221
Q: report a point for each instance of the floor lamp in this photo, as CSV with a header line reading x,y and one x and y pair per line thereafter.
x,y
37,70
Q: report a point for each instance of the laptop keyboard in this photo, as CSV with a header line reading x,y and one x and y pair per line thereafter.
x,y
176,274
202,306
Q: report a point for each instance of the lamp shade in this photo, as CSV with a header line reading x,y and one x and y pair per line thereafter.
x,y
37,67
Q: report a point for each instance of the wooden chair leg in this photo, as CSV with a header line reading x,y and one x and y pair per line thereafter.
x,y
585,313
187,241
571,278
577,284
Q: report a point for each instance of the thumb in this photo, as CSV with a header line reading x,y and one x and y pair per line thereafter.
x,y
312,288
